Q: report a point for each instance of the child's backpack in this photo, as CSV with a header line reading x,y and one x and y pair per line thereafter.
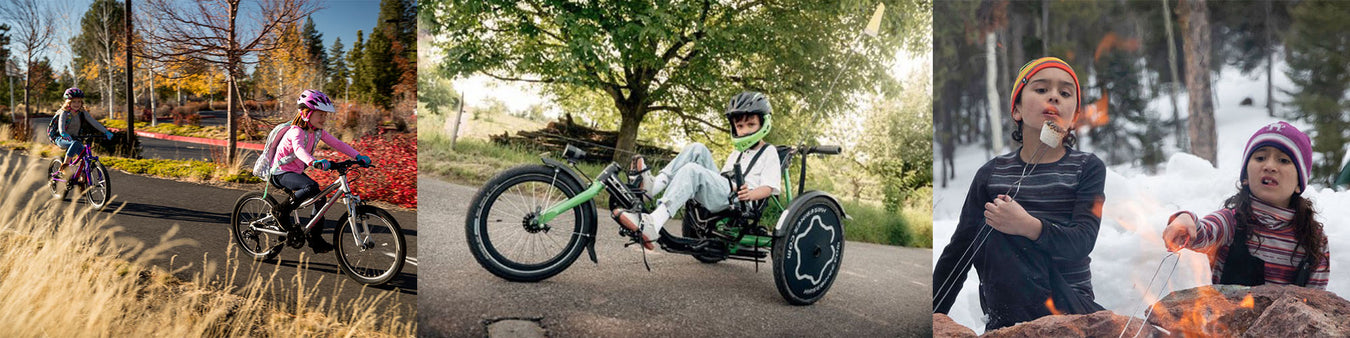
x,y
262,168
54,128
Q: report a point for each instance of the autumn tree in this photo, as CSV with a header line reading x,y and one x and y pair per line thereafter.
x,y
208,31
34,31
95,48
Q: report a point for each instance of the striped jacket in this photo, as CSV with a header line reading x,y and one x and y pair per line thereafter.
x,y
1271,239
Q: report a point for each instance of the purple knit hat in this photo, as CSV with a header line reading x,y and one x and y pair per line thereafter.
x,y
1286,138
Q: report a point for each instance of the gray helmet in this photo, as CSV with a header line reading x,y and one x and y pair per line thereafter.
x,y
747,103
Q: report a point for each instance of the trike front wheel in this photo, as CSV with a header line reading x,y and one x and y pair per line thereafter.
x,y
501,229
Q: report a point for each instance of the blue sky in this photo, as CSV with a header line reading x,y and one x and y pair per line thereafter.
x,y
337,18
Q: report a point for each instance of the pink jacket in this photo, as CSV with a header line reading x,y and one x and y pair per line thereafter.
x,y
295,152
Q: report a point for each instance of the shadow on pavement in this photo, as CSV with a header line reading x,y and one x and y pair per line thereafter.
x,y
170,213
404,282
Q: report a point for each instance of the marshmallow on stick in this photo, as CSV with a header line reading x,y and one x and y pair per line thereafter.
x,y
1051,133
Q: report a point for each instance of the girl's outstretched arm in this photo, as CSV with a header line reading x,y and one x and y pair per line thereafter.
x,y
339,145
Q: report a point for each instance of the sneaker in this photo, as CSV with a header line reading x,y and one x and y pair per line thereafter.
x,y
634,221
639,173
317,243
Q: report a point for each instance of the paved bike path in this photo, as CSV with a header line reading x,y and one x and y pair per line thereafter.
x,y
882,291
152,206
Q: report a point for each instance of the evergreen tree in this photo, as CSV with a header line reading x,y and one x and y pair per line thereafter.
x,y
337,71
313,41
1318,57
357,65
392,38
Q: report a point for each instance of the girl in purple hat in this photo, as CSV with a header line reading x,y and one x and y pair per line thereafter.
x,y
1266,233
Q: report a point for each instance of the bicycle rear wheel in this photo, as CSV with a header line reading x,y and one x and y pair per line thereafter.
x,y
375,254
58,191
252,213
99,189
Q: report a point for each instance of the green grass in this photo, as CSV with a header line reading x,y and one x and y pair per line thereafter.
x,y
212,132
191,170
474,161
873,224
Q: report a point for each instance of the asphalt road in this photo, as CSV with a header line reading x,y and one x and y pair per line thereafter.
x,y
152,206
882,291
163,149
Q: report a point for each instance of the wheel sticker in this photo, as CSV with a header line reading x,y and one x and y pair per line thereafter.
x,y
833,253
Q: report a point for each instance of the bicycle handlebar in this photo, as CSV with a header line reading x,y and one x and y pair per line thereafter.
x,y
348,164
824,149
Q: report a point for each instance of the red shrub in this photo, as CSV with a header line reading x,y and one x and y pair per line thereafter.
x,y
393,179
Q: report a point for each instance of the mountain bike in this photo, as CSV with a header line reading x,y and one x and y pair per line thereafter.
x,y
531,222
368,241
90,175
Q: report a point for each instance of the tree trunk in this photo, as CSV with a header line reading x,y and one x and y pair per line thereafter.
x,y
1195,18
131,117
1179,128
991,79
628,130
232,61
1270,64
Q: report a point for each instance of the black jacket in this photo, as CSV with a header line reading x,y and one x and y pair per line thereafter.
x,y
1019,278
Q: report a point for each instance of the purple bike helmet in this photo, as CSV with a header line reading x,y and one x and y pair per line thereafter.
x,y
73,93
315,100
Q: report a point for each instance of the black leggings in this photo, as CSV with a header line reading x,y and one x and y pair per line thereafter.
x,y
300,185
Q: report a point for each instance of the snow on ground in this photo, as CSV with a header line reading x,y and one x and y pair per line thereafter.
x,y
1129,246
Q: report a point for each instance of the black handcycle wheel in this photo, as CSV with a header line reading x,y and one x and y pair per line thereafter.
x,y
806,260
502,235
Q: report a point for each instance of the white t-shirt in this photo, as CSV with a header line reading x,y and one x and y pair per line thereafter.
x,y
766,172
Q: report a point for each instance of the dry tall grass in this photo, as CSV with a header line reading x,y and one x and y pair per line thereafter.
x,y
65,272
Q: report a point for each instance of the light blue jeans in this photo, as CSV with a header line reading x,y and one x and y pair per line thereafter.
x,y
73,146
694,175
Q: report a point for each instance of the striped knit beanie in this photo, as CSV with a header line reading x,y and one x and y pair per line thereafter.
x,y
1031,68
1286,138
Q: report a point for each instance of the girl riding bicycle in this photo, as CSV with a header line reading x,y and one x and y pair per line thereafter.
x,y
70,120
295,152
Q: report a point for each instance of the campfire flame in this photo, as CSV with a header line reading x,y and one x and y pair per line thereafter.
x,y
1247,302
1050,304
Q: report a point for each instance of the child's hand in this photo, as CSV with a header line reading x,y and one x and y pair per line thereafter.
x,y
1007,216
744,193
1179,233
747,194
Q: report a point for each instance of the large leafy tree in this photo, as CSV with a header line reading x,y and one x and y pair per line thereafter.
x,y
682,59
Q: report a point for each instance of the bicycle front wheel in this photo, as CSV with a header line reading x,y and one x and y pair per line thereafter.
x,y
100,187
503,235
375,252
